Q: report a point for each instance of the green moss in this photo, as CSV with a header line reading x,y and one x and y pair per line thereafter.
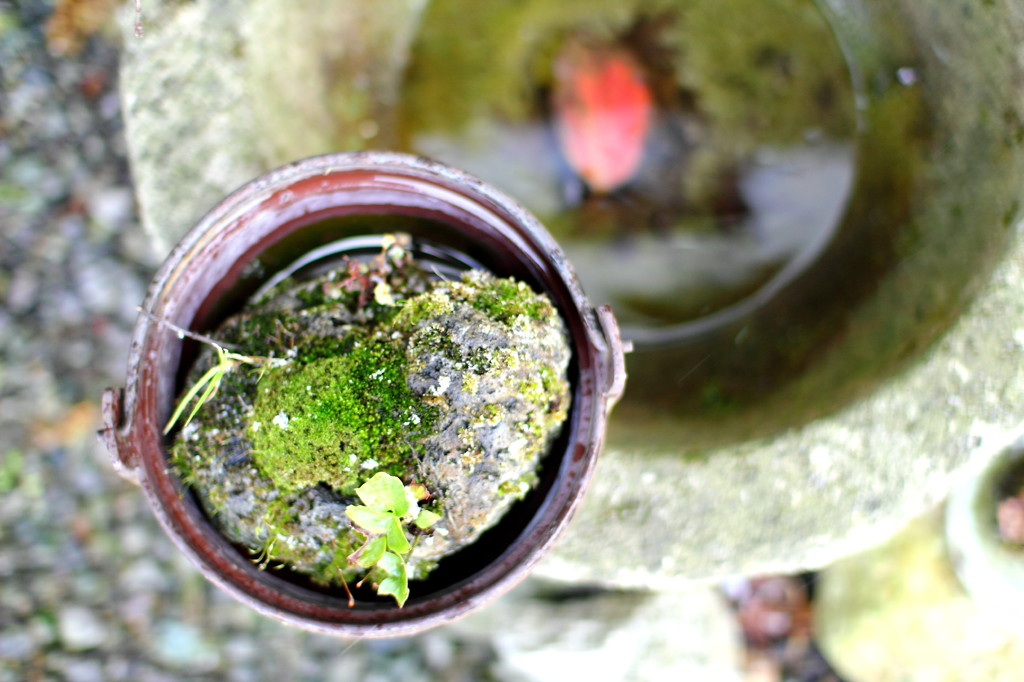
x,y
552,383
338,420
277,516
517,488
186,463
422,307
508,487
505,360
492,415
470,383
324,563
327,347
503,300
310,297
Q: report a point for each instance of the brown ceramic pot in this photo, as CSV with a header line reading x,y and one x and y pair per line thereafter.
x,y
282,217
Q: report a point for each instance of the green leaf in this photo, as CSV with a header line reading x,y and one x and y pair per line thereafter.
x,y
208,384
212,377
392,564
396,587
368,519
384,493
426,519
371,552
211,390
397,582
397,542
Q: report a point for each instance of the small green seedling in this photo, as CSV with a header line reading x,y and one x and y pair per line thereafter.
x,y
364,278
388,507
208,384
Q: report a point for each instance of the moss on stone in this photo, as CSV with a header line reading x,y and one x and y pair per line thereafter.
x,y
324,560
503,300
518,488
500,299
338,420
425,306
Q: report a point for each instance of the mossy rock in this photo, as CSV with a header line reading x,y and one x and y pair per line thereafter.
x,y
331,419
460,386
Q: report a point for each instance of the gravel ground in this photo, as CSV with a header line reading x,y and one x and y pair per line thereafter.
x,y
90,589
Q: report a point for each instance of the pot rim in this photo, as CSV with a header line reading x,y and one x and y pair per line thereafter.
x,y
231,235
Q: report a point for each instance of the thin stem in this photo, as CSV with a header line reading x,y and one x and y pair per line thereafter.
x,y
181,331
344,583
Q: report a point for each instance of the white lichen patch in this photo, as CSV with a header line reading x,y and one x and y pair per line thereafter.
x,y
369,464
188,432
281,420
414,504
443,382
517,447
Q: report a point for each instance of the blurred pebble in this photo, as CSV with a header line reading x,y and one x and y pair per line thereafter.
x,y
241,649
118,668
134,540
80,628
106,288
438,651
243,674
181,646
21,291
111,207
15,602
89,588
16,645
345,668
84,671
137,611
42,631
144,575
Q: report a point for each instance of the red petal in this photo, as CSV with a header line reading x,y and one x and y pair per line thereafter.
x,y
602,108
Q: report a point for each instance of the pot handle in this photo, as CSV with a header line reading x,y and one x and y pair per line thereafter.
x,y
615,369
121,455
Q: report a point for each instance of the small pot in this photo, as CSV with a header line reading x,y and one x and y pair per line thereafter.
x,y
293,215
990,569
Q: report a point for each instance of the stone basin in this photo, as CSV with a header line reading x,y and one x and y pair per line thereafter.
x,y
833,331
